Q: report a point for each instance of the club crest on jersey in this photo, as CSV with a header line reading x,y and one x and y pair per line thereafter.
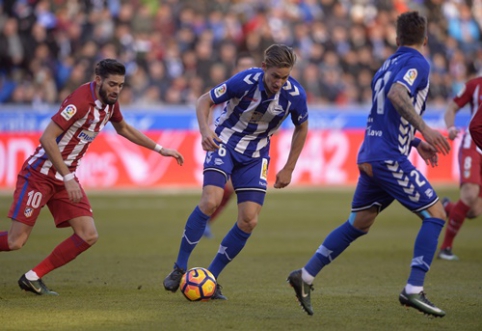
x,y
87,136
68,112
220,90
28,212
410,76
264,170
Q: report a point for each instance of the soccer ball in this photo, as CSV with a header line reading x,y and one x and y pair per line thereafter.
x,y
198,284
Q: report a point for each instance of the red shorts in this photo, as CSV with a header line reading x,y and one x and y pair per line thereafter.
x,y
469,162
34,190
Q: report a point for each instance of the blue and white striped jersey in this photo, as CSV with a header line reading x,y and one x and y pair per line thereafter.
x,y
388,135
250,118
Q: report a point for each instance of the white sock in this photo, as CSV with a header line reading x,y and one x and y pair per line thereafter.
x,y
32,275
307,278
410,289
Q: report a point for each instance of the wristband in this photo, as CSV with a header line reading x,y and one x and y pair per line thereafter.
x,y
158,148
415,142
68,177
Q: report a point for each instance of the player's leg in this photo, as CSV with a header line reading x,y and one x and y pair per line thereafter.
x,y
469,194
79,217
16,237
250,182
227,194
195,226
470,181
410,187
215,176
368,201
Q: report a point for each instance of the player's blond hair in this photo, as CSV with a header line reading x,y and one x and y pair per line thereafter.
x,y
279,56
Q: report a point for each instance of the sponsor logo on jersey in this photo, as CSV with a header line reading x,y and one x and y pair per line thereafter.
x,y
28,212
256,117
220,90
218,161
87,136
68,112
410,76
264,170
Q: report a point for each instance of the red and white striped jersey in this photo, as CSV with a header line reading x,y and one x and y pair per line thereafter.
x,y
470,93
82,117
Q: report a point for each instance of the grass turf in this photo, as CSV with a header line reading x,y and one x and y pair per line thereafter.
x,y
117,284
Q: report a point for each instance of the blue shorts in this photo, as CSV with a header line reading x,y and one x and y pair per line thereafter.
x,y
248,174
381,182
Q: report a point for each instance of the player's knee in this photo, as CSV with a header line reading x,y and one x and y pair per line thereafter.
x,y
16,243
247,224
90,237
208,205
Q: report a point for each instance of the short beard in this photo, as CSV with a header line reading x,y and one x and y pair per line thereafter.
x,y
103,95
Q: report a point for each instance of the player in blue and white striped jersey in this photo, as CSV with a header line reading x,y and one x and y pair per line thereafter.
x,y
257,100
399,90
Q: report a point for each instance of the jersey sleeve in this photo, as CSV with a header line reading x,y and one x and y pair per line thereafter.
x,y
300,112
72,108
116,114
413,74
234,87
464,96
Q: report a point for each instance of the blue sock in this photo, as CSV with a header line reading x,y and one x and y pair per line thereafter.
x,y
335,243
424,250
193,232
231,245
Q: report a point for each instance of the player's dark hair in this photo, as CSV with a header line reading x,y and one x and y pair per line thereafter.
x,y
411,28
279,56
108,67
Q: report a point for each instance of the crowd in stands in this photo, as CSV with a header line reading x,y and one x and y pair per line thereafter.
x,y
175,50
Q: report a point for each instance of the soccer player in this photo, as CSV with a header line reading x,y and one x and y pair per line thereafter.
x,y
243,62
48,176
399,90
469,204
258,101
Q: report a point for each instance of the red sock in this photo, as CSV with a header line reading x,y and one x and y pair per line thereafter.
x,y
228,192
65,252
448,207
4,241
456,219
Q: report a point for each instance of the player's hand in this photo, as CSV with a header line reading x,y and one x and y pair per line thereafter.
x,y
283,178
209,139
73,190
428,153
173,153
437,140
453,132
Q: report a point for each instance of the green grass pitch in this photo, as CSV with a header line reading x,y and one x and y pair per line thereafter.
x,y
117,284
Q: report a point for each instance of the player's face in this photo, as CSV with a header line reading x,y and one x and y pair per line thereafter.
x,y
110,88
245,63
275,78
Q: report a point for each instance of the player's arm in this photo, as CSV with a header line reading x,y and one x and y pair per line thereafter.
x,y
475,127
283,177
449,118
137,137
400,99
204,105
48,140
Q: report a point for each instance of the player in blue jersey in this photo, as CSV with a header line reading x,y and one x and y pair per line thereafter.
x,y
258,101
399,89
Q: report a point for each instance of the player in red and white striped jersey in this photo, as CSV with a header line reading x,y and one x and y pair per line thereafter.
x,y
47,177
469,204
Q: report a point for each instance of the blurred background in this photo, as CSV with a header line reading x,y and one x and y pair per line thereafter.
x,y
175,50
